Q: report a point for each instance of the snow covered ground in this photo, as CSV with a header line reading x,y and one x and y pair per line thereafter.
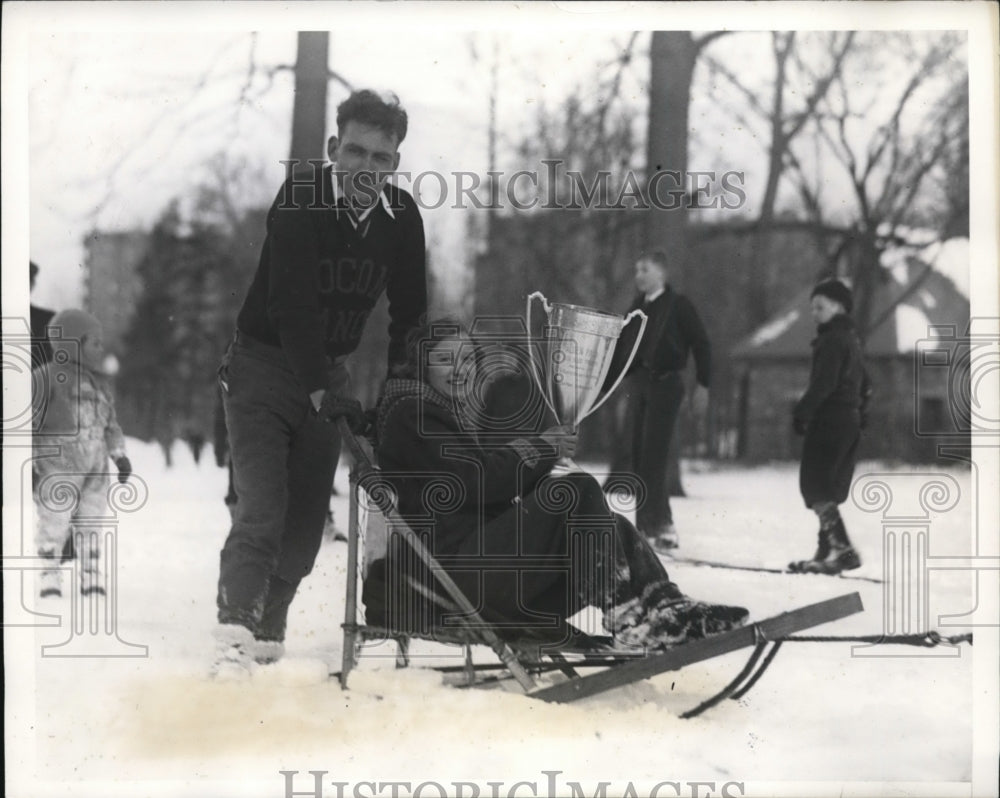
x,y
821,721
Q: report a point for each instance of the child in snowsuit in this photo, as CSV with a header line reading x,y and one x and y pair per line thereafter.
x,y
830,415
74,411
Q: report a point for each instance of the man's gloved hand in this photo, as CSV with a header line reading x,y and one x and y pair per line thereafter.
x,y
799,425
335,406
124,468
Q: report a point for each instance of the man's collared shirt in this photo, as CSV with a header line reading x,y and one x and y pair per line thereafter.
x,y
355,218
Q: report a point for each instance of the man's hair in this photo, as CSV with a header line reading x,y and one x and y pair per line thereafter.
x,y
367,107
657,257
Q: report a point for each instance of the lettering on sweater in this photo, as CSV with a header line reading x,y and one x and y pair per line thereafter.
x,y
345,326
348,275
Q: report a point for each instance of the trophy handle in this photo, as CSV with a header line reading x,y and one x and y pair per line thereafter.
x,y
631,357
534,368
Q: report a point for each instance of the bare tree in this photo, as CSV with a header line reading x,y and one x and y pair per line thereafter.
x,y
784,119
886,156
312,76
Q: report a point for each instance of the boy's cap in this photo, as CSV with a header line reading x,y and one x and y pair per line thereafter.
x,y
835,290
73,324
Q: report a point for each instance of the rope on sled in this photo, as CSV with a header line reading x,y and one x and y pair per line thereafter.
x,y
748,677
925,639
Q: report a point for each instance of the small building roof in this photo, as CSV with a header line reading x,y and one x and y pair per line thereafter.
x,y
915,296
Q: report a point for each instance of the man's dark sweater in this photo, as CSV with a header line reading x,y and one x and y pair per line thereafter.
x,y
672,331
319,278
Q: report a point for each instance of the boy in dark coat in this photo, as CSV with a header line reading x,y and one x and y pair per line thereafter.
x,y
830,415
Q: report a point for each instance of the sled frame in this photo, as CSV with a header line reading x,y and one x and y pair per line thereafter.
x,y
523,660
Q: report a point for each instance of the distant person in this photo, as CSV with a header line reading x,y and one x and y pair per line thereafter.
x,y
656,389
41,353
831,415
41,348
74,410
337,238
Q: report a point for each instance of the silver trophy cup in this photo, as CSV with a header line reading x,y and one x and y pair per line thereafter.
x,y
579,344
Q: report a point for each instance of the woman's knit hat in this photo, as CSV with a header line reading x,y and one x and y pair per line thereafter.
x,y
837,291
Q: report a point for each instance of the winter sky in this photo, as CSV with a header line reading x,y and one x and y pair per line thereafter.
x,y
122,106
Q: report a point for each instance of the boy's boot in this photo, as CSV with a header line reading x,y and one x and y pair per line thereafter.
x,y
822,552
50,577
89,558
840,554
233,653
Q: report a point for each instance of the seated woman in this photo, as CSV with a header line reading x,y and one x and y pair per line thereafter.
x,y
528,546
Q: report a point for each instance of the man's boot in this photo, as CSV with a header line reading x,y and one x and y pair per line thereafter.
x,y
268,646
664,540
233,657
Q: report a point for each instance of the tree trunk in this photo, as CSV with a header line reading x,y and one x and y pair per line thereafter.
x,y
760,280
865,282
309,110
672,60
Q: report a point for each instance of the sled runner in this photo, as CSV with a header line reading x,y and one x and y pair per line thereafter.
x,y
524,659
762,569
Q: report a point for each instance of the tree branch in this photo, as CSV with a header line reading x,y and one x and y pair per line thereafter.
x,y
703,41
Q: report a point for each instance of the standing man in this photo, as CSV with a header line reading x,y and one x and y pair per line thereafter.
x,y
337,238
656,388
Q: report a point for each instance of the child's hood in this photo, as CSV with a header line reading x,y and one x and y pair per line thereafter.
x,y
67,331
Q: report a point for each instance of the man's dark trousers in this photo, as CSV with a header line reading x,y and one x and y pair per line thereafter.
x,y
284,458
654,404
